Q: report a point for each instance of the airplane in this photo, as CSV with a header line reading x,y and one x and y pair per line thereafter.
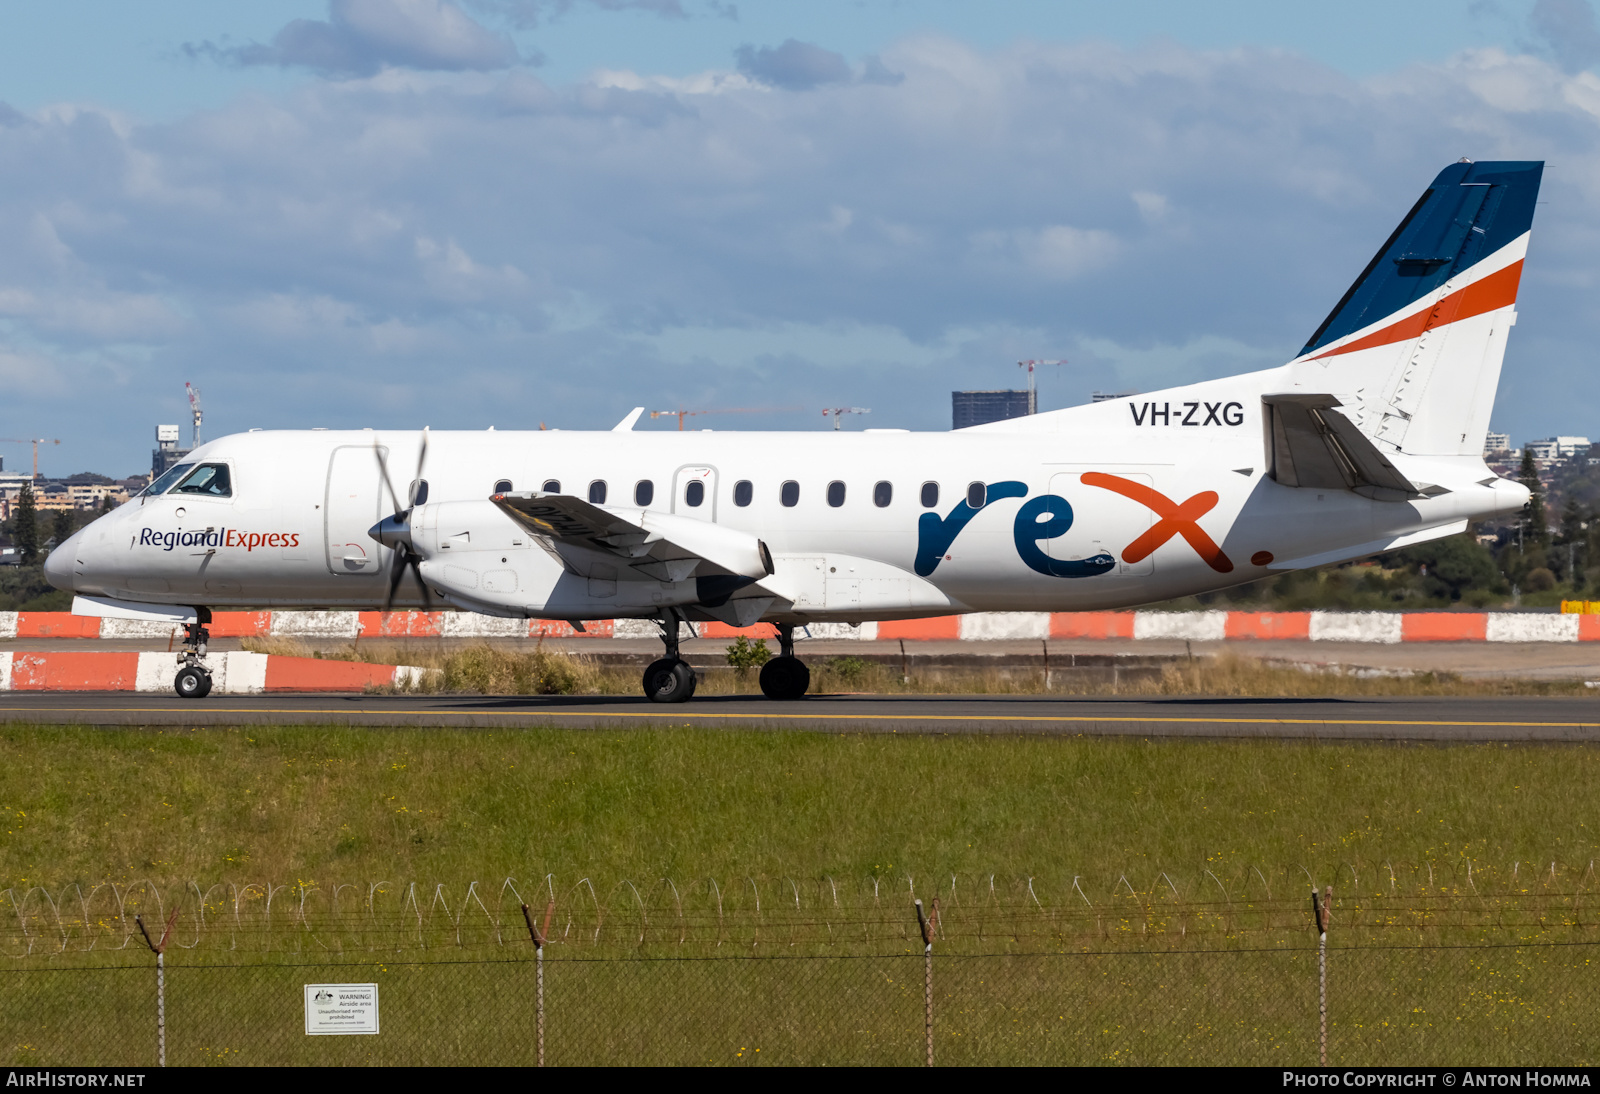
x,y
1370,439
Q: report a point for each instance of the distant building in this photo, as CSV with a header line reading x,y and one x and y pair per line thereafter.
x,y
1107,396
970,408
1494,443
1558,448
166,452
12,478
50,497
94,495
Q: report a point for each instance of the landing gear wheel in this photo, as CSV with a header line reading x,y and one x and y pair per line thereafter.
x,y
669,680
785,678
192,683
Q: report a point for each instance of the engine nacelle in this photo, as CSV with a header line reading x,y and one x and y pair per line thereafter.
x,y
477,558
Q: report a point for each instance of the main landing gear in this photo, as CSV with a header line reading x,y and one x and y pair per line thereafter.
x,y
785,676
194,679
669,679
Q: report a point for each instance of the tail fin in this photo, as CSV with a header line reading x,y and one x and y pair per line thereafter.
x,y
1419,338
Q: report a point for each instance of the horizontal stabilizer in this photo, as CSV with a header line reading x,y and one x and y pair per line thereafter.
x,y
1311,444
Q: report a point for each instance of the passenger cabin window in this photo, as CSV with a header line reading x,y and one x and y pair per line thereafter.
x,y
503,486
836,493
977,494
694,495
743,492
418,492
790,494
930,495
883,494
597,491
552,486
644,492
210,480
167,478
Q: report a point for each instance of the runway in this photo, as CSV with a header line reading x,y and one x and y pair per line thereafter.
x,y
1374,719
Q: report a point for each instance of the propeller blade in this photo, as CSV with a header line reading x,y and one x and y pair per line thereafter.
x,y
383,467
414,561
397,571
417,492
404,556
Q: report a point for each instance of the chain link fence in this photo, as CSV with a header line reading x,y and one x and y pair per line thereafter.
x,y
806,973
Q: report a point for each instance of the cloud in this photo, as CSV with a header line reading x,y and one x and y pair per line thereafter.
x,y
466,248
801,66
794,66
1058,251
531,13
1153,207
361,37
1567,28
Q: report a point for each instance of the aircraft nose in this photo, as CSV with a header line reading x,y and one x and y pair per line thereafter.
x,y
59,566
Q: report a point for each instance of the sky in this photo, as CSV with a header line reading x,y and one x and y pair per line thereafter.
x,y
465,213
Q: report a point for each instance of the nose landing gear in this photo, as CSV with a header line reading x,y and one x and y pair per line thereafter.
x,y
669,679
785,676
194,679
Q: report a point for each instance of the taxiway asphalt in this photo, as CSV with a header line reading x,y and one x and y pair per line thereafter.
x,y
1513,718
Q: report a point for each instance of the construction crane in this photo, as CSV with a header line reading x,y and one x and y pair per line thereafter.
x,y
838,410
36,442
194,408
1033,400
682,414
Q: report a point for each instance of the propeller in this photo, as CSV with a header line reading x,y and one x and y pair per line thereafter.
x,y
394,531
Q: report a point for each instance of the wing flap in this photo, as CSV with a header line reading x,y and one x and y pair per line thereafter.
x,y
656,546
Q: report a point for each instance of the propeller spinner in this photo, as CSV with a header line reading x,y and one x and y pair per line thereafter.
x,y
394,531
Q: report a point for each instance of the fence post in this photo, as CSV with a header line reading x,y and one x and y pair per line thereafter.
x,y
160,950
1323,911
928,925
538,937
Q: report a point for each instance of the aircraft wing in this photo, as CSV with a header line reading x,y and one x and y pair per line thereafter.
x,y
1311,443
651,545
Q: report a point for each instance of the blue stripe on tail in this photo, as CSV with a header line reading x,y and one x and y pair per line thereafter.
x,y
1469,213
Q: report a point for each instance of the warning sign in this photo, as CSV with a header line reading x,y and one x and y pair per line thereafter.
x,y
341,1008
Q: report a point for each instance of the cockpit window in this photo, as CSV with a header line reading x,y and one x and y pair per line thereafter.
x,y
167,478
210,480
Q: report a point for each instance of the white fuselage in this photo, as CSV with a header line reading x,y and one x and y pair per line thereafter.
x,y
293,533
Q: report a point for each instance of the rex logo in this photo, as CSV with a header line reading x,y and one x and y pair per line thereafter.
x,y
1050,516
1176,520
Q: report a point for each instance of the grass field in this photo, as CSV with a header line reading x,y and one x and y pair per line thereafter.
x,y
325,803
1465,960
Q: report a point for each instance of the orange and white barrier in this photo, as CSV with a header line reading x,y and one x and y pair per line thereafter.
x,y
233,673
1201,626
